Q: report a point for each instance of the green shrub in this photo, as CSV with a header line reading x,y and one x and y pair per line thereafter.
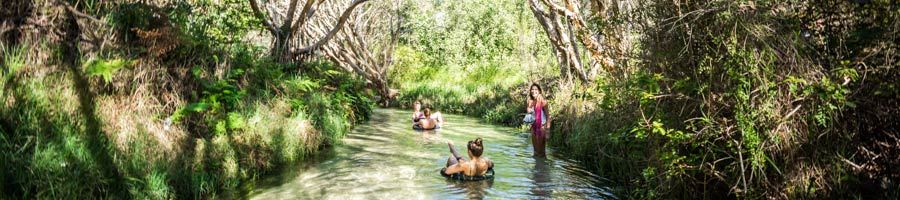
x,y
105,68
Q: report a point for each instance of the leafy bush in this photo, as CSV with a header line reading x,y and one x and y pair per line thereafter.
x,y
203,112
105,68
761,109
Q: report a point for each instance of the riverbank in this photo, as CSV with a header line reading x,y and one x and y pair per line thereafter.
x,y
780,104
59,141
147,106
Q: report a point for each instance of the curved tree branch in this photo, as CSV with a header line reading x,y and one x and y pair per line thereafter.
x,y
263,17
584,34
290,15
562,40
304,14
334,30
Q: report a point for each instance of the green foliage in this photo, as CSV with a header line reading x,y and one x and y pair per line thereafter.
x,y
468,32
222,23
302,85
243,114
492,104
44,152
471,57
152,186
13,59
409,66
833,98
331,111
105,68
723,103
127,17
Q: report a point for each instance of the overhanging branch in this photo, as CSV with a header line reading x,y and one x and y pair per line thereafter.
x,y
334,30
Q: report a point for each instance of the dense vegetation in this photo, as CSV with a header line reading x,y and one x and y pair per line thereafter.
x,y
670,99
156,102
747,99
470,57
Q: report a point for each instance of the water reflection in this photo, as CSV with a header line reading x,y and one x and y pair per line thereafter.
x,y
432,136
541,176
472,189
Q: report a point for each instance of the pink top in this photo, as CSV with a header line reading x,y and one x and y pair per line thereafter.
x,y
538,119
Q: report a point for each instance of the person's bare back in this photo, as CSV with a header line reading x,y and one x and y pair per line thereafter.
x,y
476,167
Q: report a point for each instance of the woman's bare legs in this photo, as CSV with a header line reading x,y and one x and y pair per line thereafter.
x,y
454,156
538,142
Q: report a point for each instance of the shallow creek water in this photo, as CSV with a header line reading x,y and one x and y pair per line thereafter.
x,y
385,159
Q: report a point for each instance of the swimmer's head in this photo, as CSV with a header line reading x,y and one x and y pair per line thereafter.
x,y
476,147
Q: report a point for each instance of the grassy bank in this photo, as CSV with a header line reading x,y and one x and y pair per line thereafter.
x,y
484,92
740,113
471,57
193,114
56,149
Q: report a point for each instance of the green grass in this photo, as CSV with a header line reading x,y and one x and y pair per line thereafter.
x,y
47,155
491,90
50,152
197,121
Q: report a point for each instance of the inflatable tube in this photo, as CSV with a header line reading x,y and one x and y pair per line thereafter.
x,y
419,128
460,176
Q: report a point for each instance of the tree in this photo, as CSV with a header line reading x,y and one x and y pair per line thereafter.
x,y
364,38
283,22
366,45
558,23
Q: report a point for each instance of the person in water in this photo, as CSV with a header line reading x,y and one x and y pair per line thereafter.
x,y
417,111
419,115
538,105
427,122
476,167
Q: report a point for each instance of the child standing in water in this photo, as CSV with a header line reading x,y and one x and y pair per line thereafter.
x,y
538,105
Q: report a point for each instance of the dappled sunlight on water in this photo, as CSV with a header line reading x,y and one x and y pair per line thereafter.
x,y
386,159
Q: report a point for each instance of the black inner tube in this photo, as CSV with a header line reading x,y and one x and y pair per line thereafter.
x,y
460,176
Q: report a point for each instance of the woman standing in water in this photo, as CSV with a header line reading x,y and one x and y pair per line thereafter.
x,y
538,105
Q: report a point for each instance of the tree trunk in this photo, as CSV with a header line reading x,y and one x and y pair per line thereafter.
x,y
563,46
564,39
384,91
281,47
365,46
284,27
